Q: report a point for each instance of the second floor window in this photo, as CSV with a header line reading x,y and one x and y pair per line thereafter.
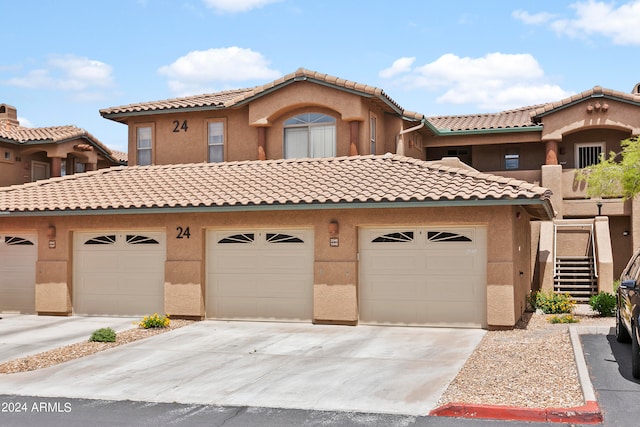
x,y
310,135
372,134
588,154
143,144
216,141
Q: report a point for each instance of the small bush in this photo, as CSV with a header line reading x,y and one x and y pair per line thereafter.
x,y
604,303
567,318
155,321
103,335
552,302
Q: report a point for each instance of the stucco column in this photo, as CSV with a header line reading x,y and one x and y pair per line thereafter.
x,y
635,222
262,143
56,167
354,132
90,167
552,179
551,149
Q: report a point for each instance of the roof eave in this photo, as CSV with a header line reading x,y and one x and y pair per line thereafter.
x,y
450,132
120,117
543,206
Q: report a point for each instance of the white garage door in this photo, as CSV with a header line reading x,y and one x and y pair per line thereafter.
x,y
18,255
119,273
423,276
260,274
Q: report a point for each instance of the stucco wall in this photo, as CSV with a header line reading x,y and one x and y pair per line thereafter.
x,y
173,144
335,268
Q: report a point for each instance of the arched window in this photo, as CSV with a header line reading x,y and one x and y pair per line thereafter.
x,y
309,135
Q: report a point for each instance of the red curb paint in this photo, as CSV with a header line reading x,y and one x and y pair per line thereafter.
x,y
588,414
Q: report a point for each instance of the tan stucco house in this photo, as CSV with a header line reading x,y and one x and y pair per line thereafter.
x,y
30,154
312,198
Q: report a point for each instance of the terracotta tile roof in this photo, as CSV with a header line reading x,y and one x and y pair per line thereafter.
x,y
54,134
228,99
121,156
510,119
271,183
213,100
596,92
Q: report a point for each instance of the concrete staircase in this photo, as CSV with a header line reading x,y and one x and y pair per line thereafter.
x,y
576,275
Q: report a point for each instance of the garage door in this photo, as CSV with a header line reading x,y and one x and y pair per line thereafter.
x,y
18,255
119,273
260,274
423,276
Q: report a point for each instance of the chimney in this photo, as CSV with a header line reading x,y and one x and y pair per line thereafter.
x,y
8,117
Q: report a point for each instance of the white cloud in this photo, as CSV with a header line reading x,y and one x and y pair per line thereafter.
x,y
25,122
67,73
533,19
235,6
198,71
496,81
399,66
602,18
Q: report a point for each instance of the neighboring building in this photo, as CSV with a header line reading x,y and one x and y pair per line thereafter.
x,y
279,202
547,145
31,154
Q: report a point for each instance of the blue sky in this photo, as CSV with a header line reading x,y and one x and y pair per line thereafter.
x,y
64,60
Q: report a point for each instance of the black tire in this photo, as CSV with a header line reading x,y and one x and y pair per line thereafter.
x,y
635,353
622,334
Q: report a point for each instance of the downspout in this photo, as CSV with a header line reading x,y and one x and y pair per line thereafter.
x,y
400,139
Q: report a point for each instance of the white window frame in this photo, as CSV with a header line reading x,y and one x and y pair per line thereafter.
x,y
373,132
140,148
577,163
309,130
217,140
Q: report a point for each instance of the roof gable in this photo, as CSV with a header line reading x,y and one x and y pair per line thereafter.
x,y
357,181
238,97
19,135
597,92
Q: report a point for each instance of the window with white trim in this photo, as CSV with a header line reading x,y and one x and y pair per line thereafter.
x,y
588,154
215,141
310,135
372,133
144,144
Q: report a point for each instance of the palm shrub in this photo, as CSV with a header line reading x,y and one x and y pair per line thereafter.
x,y
550,302
604,303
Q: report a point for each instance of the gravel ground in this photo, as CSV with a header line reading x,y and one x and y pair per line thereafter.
x,y
530,366
85,348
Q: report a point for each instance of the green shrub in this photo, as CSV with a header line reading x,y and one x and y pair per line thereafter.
x,y
154,321
103,335
604,303
551,302
566,318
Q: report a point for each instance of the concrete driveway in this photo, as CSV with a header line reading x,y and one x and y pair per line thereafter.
x,y
283,365
22,335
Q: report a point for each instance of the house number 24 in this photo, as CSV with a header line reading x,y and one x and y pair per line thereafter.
x,y
183,233
178,127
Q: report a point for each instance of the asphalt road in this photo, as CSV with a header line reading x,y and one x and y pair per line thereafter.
x,y
609,364
618,393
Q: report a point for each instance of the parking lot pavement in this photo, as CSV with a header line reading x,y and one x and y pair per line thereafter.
x,y
617,391
22,335
394,370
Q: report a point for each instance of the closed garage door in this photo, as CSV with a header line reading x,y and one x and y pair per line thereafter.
x,y
423,276
18,254
119,273
260,274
